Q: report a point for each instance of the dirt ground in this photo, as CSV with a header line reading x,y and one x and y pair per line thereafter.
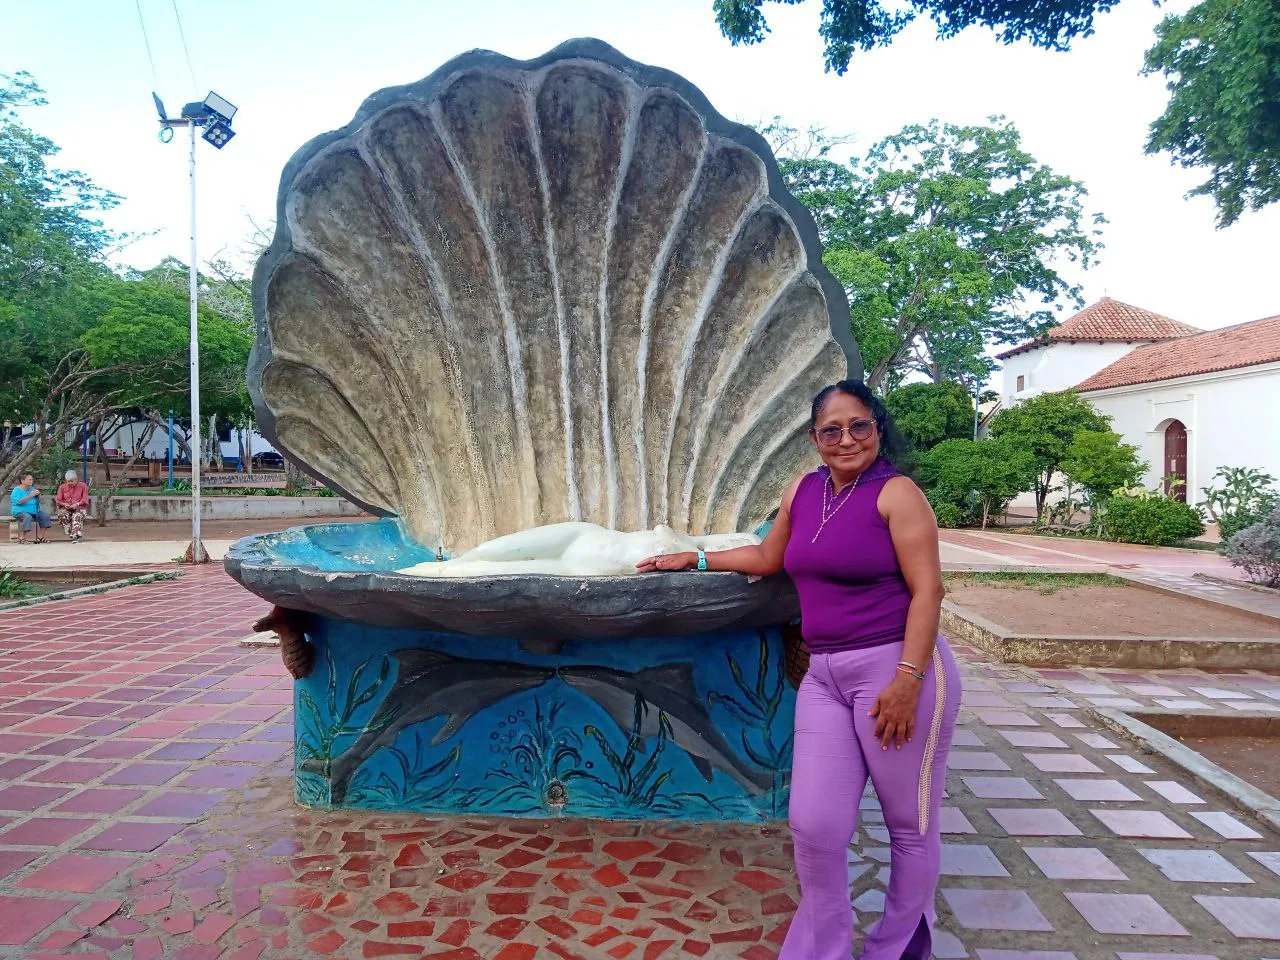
x,y
132,532
1097,610
1255,759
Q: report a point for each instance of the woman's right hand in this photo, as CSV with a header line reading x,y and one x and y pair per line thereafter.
x,y
668,561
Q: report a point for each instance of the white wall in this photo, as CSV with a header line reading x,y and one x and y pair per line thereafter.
x,y
1057,366
1232,419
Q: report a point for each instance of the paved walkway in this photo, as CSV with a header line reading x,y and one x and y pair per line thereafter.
x,y
976,549
146,812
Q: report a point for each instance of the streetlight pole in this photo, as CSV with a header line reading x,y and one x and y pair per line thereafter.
x,y
198,554
213,116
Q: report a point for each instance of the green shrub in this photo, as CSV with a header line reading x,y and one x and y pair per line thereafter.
x,y
1151,519
949,515
1256,550
1239,498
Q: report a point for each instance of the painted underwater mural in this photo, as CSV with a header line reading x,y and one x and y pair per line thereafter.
x,y
696,727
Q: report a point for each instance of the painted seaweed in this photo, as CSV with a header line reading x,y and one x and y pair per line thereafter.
x,y
540,757
319,731
757,708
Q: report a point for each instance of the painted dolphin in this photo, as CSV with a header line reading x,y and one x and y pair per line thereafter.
x,y
431,684
669,689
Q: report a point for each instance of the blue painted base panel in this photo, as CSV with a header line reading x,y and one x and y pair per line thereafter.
x,y
685,728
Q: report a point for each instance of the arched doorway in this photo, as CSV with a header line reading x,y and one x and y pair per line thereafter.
x,y
1175,460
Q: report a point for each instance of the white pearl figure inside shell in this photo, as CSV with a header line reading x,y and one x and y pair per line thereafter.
x,y
574,550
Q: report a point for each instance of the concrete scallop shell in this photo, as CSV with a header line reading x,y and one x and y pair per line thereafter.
x,y
517,293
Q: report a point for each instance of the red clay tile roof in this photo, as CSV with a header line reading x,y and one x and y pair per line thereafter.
x,y
1110,320
1240,346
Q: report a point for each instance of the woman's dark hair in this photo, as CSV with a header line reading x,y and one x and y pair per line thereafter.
x,y
892,443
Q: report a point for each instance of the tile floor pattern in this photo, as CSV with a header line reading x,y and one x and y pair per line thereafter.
x,y
145,813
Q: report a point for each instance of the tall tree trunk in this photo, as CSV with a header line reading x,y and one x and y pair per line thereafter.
x,y
215,446
294,480
102,453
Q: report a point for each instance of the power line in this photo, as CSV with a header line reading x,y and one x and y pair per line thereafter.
x,y
155,82
185,52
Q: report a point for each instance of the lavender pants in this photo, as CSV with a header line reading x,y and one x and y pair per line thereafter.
x,y
835,751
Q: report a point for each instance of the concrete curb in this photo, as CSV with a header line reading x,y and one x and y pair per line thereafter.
x,y
90,590
1211,777
1143,653
1243,584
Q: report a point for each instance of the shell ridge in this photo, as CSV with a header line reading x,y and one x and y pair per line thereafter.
x,y
448,356
387,361
785,436
574,504
745,427
646,319
285,358
781,344
692,337
624,167
723,375
515,372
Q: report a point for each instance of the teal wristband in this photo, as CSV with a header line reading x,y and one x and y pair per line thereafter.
x,y
702,560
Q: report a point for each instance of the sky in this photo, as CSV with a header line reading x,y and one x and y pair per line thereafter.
x,y
296,69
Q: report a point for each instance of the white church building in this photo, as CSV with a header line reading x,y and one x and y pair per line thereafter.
x,y
1190,400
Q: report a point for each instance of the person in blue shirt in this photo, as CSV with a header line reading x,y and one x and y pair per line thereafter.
x,y
24,506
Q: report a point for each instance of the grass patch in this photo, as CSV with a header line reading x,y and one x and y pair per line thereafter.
x,y
1045,584
14,588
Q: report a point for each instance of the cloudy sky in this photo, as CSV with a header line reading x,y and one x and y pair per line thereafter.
x,y
299,68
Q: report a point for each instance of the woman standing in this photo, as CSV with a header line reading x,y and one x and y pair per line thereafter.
x,y
882,692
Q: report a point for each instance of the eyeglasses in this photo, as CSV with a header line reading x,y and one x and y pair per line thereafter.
x,y
832,434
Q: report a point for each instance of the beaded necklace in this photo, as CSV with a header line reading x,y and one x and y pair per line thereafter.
x,y
830,507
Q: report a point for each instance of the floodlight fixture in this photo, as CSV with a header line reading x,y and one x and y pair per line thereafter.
x,y
164,114
218,133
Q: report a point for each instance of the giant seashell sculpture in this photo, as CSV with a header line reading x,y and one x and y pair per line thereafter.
x,y
550,294
521,293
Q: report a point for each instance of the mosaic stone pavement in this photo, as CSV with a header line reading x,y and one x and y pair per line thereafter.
x,y
145,813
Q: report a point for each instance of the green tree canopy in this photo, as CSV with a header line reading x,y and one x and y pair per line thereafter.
x,y
1046,426
947,239
929,413
849,25
1222,62
996,470
1100,462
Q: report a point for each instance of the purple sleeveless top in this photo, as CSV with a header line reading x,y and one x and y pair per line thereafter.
x,y
852,594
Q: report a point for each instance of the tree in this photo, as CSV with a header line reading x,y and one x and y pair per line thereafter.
x,y
947,239
1222,63
849,25
929,413
1100,462
80,344
52,247
996,470
1046,426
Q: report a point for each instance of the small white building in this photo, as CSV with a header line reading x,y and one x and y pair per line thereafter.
x,y
1095,337
1190,400
1198,403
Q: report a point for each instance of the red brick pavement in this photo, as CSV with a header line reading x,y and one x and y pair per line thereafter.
x,y
146,812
